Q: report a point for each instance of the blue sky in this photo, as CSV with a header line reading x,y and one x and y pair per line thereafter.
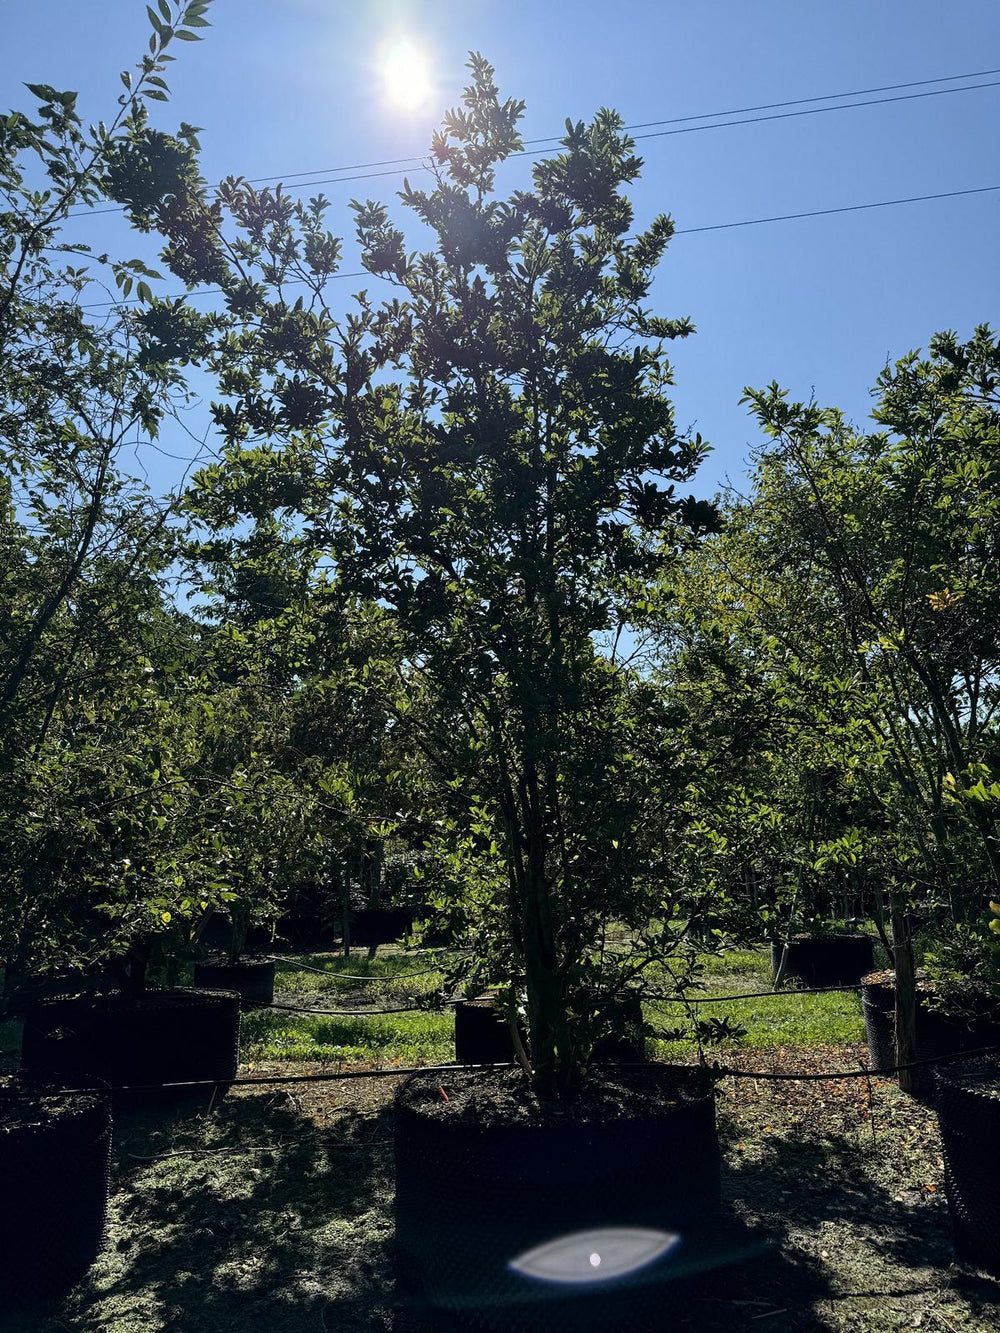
x,y
289,86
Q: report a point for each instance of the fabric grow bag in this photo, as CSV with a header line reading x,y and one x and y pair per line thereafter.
x,y
826,960
482,1209
159,1036
936,1033
482,1036
251,978
968,1107
55,1157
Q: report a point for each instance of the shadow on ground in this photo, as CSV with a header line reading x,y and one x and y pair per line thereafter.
x,y
272,1212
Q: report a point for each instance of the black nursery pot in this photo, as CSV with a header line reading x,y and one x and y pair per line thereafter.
x,y
486,1213
55,1156
251,978
380,925
626,1043
482,1036
968,1107
936,1033
157,1037
826,960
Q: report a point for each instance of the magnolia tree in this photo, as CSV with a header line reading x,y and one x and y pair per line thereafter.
x,y
490,455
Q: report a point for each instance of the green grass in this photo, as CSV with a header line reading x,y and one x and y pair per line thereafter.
x,y
427,1038
387,977
326,981
413,1038
788,1019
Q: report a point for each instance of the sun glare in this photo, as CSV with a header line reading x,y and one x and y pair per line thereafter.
x,y
405,72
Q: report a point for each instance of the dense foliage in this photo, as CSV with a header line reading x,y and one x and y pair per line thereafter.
x,y
437,530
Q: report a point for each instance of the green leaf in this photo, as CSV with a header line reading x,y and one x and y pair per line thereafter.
x,y
187,36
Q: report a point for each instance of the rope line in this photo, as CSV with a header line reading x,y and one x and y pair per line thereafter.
x,y
356,1013
719,1071
351,976
755,995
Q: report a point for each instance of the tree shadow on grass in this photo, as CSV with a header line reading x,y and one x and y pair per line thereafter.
x,y
883,1241
297,1237
262,1220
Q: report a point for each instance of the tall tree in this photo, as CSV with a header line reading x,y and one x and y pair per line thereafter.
x,y
491,454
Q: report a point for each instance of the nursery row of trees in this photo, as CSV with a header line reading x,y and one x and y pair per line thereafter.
x,y
441,588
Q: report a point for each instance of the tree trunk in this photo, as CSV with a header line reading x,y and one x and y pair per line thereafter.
x,y
548,1029
906,992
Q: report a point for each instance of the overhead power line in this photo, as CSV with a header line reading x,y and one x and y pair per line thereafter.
x,y
681,231
401,165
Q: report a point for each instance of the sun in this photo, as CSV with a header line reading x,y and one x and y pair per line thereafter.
x,y
405,74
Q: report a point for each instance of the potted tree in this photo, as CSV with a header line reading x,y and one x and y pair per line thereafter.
x,y
507,501
132,864
854,576
262,818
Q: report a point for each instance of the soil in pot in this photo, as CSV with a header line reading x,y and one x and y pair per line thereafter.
x,y
21,991
156,1037
968,1107
936,1033
825,960
251,978
55,1154
506,1211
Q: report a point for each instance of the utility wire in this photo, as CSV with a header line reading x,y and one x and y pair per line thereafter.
x,y
399,166
648,124
817,110
796,101
681,231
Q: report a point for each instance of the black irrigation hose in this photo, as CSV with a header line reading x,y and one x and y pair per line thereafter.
x,y
856,1073
339,1076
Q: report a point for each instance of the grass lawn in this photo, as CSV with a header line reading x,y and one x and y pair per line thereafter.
x,y
352,985
271,1209
785,1020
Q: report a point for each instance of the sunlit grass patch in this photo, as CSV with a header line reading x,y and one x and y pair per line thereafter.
x,y
410,1038
739,963
388,976
788,1019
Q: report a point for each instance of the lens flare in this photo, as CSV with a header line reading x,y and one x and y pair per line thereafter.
x,y
595,1256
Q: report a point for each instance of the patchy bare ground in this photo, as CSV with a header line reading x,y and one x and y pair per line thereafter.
x,y
271,1211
